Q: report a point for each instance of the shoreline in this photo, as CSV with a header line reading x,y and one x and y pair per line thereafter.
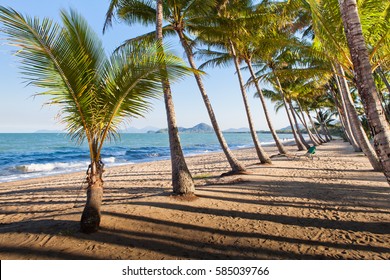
x,y
334,207
288,142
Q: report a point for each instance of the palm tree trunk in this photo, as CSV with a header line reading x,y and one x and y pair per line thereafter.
x,y
297,126
365,82
296,138
383,103
90,218
344,111
327,131
182,181
313,139
320,121
383,77
315,129
385,108
279,144
347,136
357,127
236,166
263,156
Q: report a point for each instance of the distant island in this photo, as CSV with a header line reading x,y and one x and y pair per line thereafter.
x,y
237,130
199,128
147,129
205,128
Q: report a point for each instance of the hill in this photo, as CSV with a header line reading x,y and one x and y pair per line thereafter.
x,y
147,129
237,130
199,128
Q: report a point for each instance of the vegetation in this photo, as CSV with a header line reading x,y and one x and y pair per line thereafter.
x,y
183,19
94,93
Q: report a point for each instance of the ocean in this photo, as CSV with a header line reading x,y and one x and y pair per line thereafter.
x,y
30,155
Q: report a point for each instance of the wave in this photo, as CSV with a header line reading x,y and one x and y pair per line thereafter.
x,y
47,167
109,160
54,155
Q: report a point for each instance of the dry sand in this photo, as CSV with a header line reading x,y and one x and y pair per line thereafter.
x,y
334,207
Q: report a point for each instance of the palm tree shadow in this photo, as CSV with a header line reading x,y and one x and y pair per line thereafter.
x,y
37,230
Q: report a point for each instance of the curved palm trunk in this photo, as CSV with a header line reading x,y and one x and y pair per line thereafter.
x,y
182,181
383,77
357,127
320,121
365,82
301,117
236,166
297,126
343,112
90,218
296,138
263,156
279,144
315,129
327,131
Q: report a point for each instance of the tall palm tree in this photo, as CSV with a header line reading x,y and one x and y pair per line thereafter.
x,y
278,96
222,30
358,130
182,180
327,25
342,108
255,35
263,156
182,17
151,12
95,93
365,82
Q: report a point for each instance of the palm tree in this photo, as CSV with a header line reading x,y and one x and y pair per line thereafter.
x,y
182,180
94,93
365,82
251,40
324,119
148,13
277,95
263,156
328,36
182,17
358,130
342,109
218,31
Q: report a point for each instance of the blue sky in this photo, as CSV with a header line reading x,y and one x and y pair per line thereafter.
x,y
20,112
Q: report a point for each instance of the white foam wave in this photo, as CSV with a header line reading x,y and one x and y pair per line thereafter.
x,y
243,146
109,160
47,167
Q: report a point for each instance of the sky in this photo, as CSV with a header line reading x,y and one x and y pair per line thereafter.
x,y
21,112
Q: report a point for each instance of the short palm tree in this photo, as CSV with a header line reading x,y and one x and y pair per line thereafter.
x,y
94,93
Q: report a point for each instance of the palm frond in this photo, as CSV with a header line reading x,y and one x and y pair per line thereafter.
x,y
132,78
214,58
149,37
52,59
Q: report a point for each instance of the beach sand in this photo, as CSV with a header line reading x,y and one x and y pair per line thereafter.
x,y
334,207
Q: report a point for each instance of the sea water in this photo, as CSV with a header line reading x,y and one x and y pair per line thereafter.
x,y
29,155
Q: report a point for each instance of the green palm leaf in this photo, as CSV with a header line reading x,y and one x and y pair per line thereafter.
x,y
94,93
